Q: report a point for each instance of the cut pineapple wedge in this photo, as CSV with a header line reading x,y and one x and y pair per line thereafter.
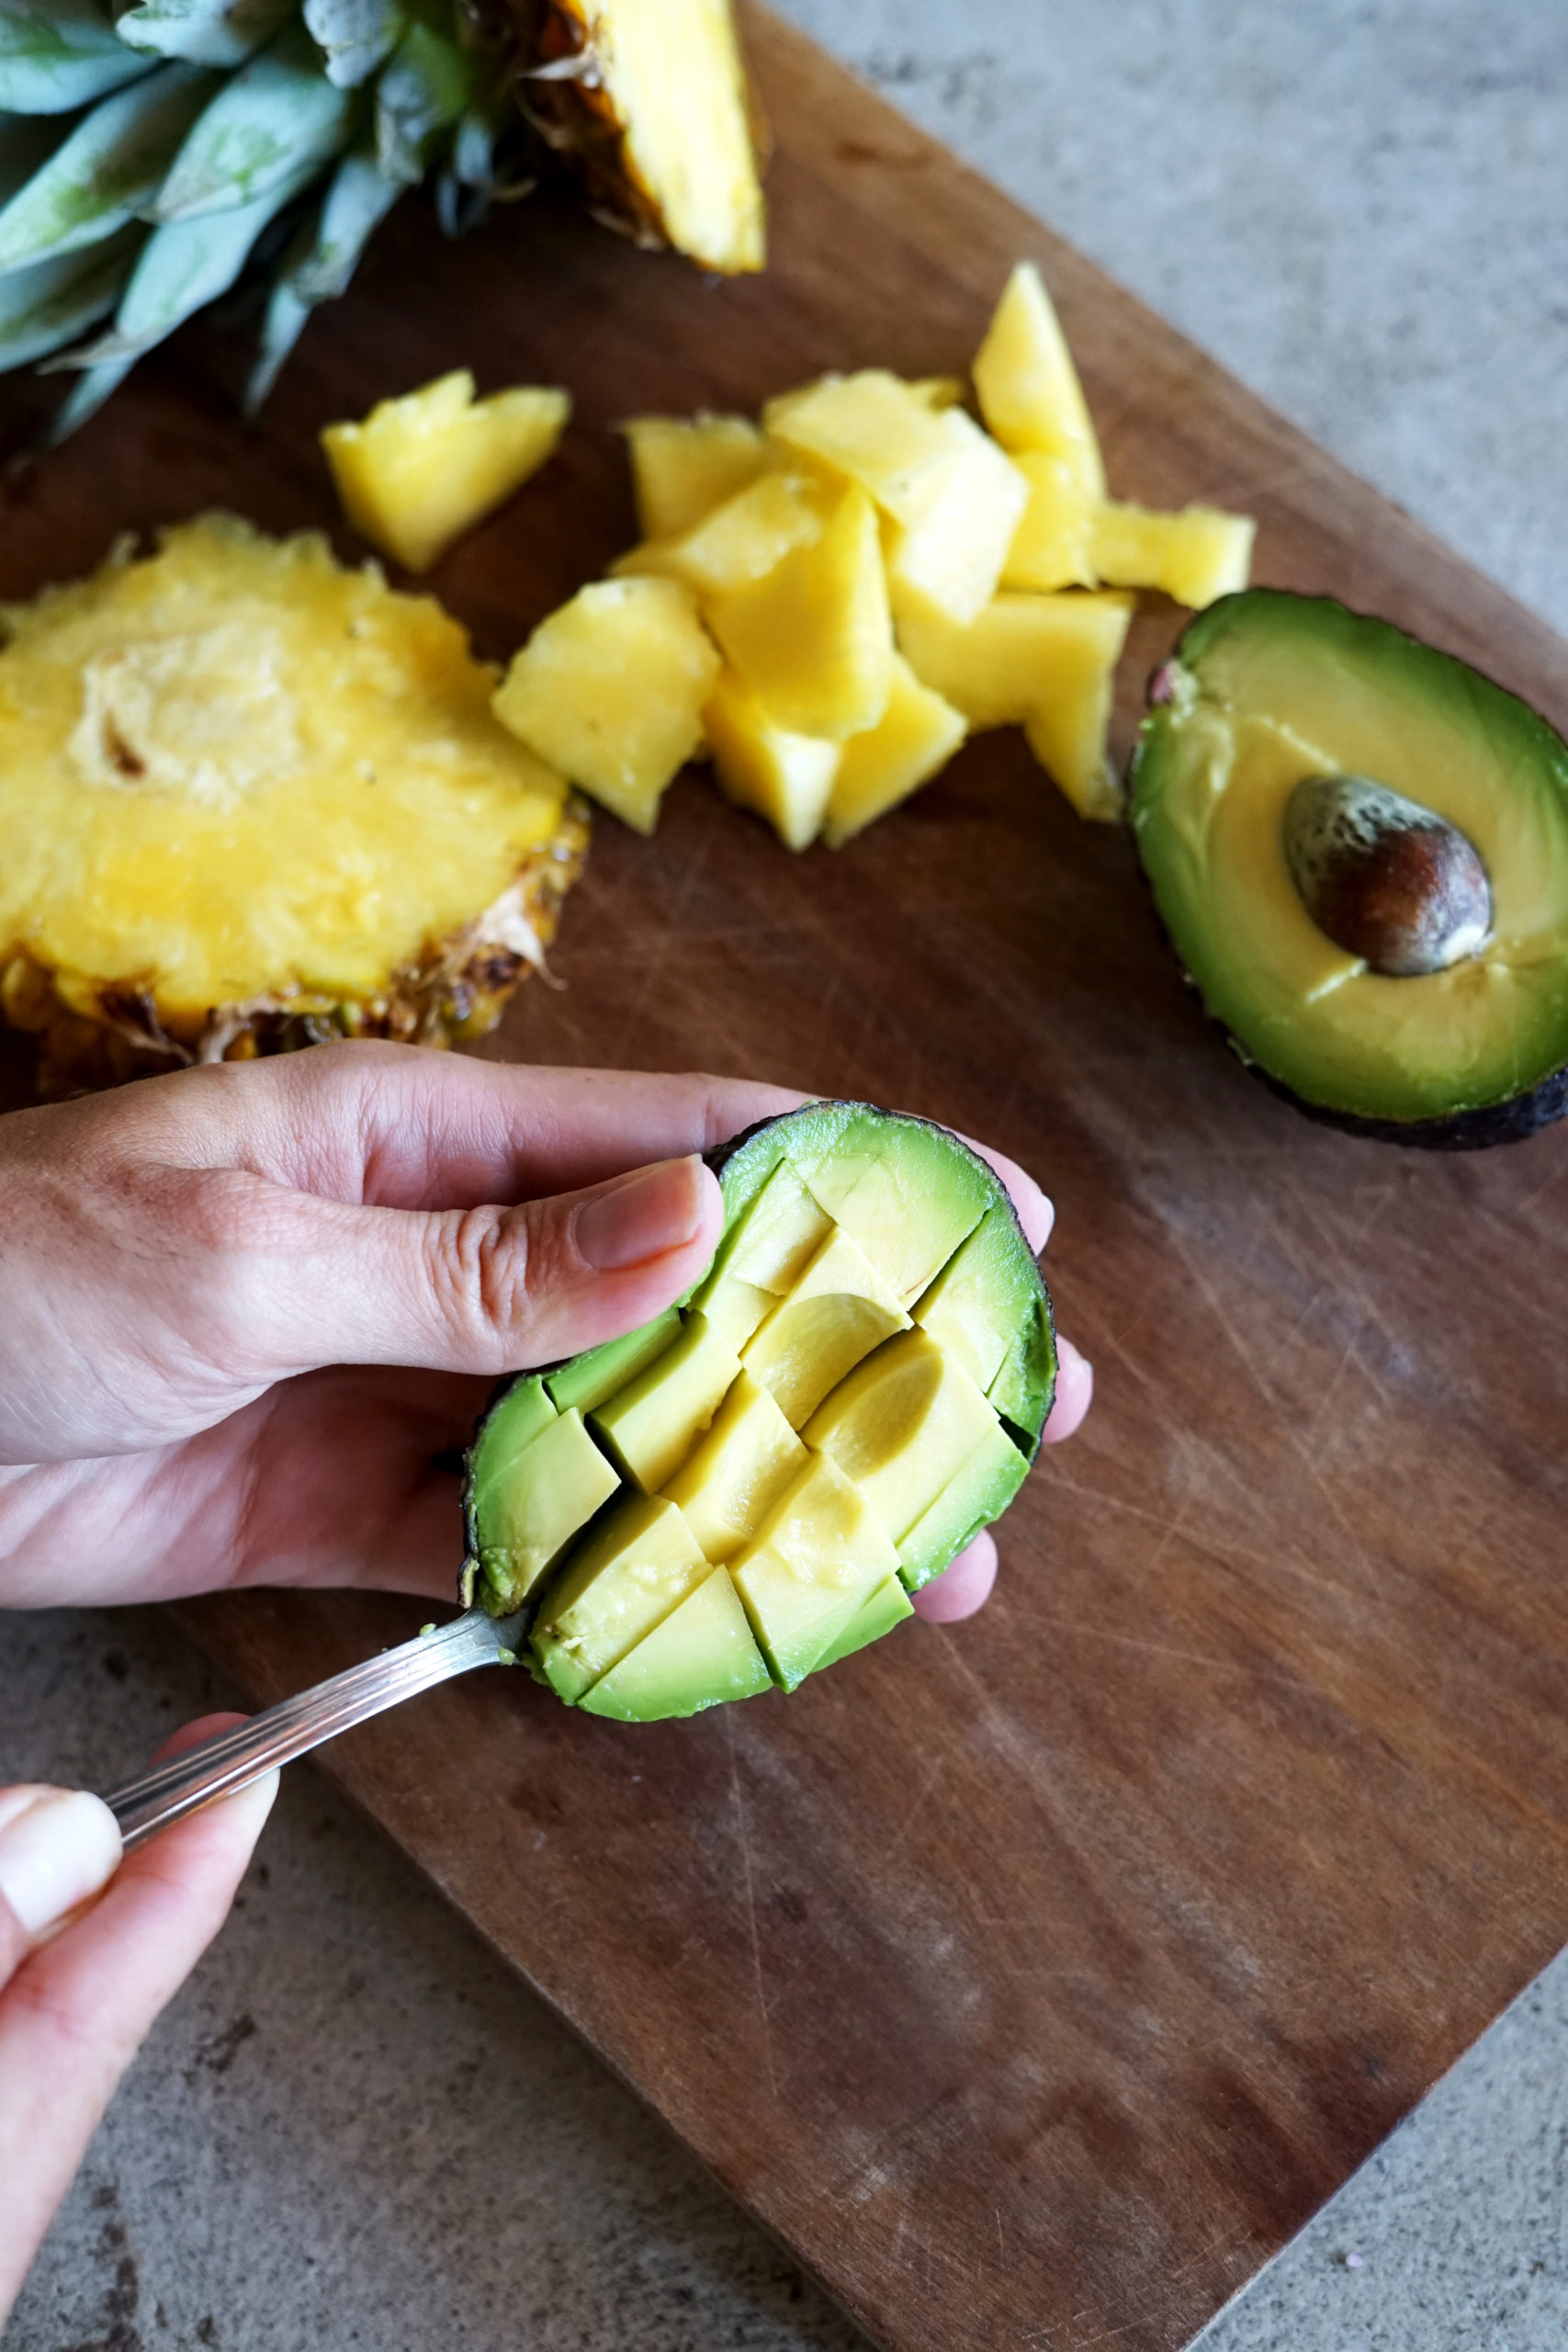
x,y
917,734
873,430
785,777
685,467
814,640
1194,556
248,799
1028,387
615,684
423,470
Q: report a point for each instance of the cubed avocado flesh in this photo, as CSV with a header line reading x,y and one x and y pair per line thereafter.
x,y
638,1564
674,1539
983,1308
736,1473
978,1491
700,1656
1267,690
816,1557
838,1310
588,1380
651,1425
887,1606
901,1425
530,1515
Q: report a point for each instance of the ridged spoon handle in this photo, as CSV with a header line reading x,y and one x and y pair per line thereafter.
x,y
235,1758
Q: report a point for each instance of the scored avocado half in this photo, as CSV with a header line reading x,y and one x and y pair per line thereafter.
x,y
747,1488
1358,847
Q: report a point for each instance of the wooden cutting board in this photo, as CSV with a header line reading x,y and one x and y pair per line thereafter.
x,y
1033,1980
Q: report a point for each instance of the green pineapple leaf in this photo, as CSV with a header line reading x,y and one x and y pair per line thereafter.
x,y
319,262
58,54
423,92
183,266
87,395
204,32
49,304
277,115
110,166
357,36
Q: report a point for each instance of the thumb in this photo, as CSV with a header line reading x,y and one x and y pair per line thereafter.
x,y
488,1289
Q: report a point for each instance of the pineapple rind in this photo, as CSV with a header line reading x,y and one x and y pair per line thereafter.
x,y
247,798
90,1035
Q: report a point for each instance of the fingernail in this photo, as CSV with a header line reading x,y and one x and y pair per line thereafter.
x,y
55,1853
641,1217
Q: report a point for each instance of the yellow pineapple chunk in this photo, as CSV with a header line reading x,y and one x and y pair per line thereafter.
x,y
872,429
424,469
1067,728
785,777
740,541
1046,664
1194,556
918,734
613,683
685,467
1028,387
950,554
995,669
814,641
1054,545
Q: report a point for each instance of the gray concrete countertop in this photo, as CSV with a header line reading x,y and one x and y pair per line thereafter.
x,y
354,2128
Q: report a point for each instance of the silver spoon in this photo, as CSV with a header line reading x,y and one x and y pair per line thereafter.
x,y
233,1759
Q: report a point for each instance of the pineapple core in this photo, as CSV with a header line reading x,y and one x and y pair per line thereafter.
x,y
421,470
230,770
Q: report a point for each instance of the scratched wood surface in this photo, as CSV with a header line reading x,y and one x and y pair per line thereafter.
x,y
1033,1980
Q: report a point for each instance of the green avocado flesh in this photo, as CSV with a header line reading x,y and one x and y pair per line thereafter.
x,y
749,1488
1267,689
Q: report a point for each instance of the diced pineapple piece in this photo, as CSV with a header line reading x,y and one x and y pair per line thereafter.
x,y
872,429
814,641
950,555
682,467
1067,729
1028,387
1194,556
1054,545
998,669
614,684
785,778
741,540
918,734
420,470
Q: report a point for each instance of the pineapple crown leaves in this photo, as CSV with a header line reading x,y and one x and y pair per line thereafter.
x,y
155,155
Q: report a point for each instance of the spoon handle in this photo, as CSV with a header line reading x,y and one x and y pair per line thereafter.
x,y
233,1759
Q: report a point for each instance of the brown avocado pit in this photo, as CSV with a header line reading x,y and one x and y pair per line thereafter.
x,y
1387,881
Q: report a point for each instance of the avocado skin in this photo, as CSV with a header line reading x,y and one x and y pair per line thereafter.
x,y
1478,1129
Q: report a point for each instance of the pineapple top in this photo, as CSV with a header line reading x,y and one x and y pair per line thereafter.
x,y
232,769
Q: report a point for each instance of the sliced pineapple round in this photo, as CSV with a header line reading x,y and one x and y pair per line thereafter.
x,y
248,798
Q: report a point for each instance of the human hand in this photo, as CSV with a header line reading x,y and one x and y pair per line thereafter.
x,y
78,1993
245,1309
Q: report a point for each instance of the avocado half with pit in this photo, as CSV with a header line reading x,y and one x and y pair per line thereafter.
x,y
1359,846
749,1488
